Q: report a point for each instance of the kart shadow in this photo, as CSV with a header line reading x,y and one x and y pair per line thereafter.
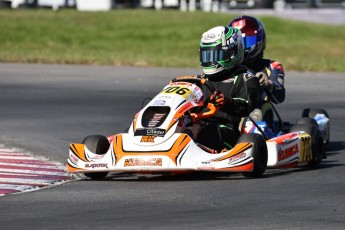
x,y
205,176
329,164
194,176
335,147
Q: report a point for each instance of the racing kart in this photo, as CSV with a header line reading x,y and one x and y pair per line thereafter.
x,y
161,139
314,122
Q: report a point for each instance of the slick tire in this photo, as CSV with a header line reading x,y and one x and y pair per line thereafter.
x,y
317,146
97,144
311,112
259,154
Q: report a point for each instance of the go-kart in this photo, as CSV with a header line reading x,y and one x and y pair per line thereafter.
x,y
314,121
161,140
281,141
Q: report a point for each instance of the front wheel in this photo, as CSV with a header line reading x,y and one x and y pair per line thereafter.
x,y
260,154
99,145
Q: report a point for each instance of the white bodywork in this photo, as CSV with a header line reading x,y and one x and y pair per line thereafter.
x,y
156,146
291,149
156,142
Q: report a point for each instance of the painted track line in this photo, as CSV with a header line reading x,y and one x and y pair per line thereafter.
x,y
22,172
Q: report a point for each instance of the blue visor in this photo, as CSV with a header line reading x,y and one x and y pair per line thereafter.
x,y
249,41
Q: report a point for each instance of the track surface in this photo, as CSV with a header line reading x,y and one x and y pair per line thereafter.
x,y
45,107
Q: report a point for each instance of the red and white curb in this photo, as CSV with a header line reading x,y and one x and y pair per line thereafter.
x,y
22,172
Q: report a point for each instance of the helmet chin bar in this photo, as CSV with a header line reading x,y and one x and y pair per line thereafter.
x,y
215,70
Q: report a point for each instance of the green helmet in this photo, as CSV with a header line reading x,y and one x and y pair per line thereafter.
x,y
221,49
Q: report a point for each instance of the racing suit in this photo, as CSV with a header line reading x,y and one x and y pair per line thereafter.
x,y
241,92
275,72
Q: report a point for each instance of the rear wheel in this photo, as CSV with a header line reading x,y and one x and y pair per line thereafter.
x,y
97,144
317,146
259,154
311,112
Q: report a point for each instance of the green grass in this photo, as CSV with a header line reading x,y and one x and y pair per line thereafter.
x,y
167,38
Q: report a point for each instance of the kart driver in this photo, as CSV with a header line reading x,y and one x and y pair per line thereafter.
x,y
269,72
237,90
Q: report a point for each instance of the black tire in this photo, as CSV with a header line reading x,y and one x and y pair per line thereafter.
x,y
260,154
97,144
317,146
311,112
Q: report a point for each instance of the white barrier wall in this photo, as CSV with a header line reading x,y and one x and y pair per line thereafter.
x,y
94,5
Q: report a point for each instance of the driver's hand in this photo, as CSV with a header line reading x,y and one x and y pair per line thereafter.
x,y
264,81
217,98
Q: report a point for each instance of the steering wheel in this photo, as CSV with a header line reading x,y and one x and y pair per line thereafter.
x,y
212,109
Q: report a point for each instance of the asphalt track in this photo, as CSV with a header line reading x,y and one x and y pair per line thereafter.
x,y
43,108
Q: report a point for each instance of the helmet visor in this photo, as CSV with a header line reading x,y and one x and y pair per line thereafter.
x,y
249,41
209,56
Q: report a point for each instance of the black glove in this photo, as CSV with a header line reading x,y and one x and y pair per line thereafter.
x,y
218,99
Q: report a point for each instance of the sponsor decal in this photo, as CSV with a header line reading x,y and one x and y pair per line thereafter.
x,y
159,102
188,84
200,100
198,94
93,165
236,157
150,132
248,76
229,80
153,123
156,119
206,165
148,139
143,162
290,140
96,157
286,153
158,116
73,158
210,36
164,97
186,77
